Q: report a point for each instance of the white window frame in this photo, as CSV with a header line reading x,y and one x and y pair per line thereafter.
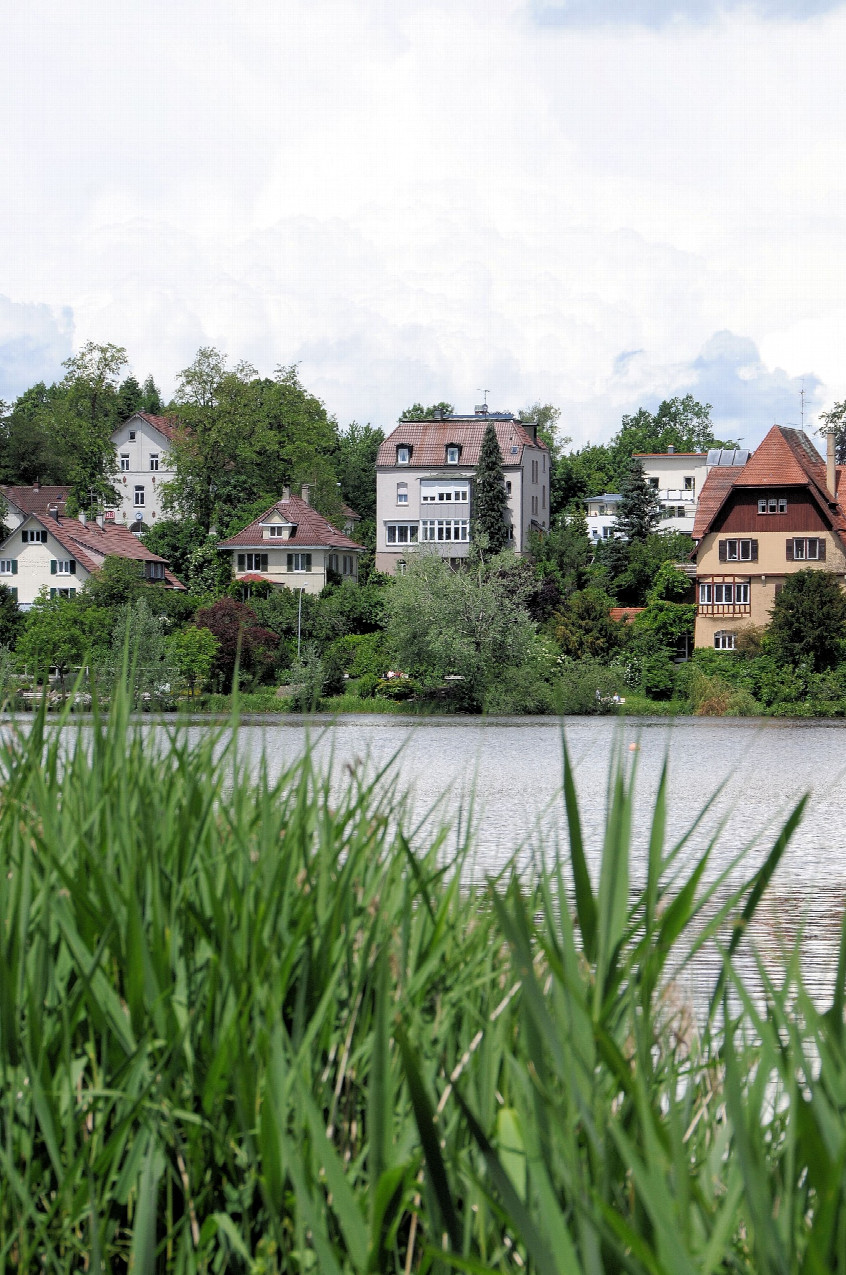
x,y
124,462
452,454
6,567
155,571
723,594
741,593
689,482
300,563
63,567
140,504
394,533
402,493
706,594
253,562
403,454
154,461
276,532
724,640
132,436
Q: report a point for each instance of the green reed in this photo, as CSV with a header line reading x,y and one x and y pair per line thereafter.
x,y
245,1027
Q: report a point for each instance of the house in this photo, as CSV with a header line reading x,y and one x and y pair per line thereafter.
x,y
292,544
758,522
424,484
351,520
20,502
601,514
50,551
677,478
142,444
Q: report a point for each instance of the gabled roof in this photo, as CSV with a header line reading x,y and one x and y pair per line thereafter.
x,y
91,544
166,425
312,530
428,441
35,499
785,458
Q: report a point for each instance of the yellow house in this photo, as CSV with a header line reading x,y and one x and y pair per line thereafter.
x,y
759,522
292,544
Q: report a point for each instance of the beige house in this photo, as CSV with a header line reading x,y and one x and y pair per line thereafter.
x,y
424,485
293,545
49,551
17,503
759,522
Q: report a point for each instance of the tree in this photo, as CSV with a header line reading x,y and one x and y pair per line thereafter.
x,y
62,633
546,417
809,620
175,539
118,583
835,421
458,623
130,398
490,503
584,627
88,412
151,399
639,511
417,412
242,642
193,652
139,636
356,466
35,447
11,618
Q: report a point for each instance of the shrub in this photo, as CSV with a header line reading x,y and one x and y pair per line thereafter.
x,y
366,685
657,675
587,686
520,690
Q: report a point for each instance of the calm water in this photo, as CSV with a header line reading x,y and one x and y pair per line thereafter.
x,y
504,776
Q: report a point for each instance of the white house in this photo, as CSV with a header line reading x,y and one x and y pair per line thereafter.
x,y
52,552
424,484
293,545
601,512
142,444
678,478
20,502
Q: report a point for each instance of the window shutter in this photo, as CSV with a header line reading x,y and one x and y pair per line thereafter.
x,y
754,551
73,567
53,566
821,543
14,593
290,562
14,566
788,549
71,593
722,551
308,562
241,561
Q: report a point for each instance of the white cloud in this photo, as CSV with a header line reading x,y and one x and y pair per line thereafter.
x,y
415,201
34,342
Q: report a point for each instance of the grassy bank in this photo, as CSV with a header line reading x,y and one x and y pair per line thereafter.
x,y
244,1028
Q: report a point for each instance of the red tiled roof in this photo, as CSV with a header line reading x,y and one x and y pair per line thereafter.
x,y
785,458
312,531
166,425
349,512
625,614
91,544
428,441
715,488
36,499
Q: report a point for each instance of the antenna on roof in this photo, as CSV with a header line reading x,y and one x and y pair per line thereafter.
x,y
802,401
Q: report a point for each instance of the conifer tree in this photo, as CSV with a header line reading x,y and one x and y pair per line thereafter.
x,y
490,500
639,511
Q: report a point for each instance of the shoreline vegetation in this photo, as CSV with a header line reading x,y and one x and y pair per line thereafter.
x,y
257,1026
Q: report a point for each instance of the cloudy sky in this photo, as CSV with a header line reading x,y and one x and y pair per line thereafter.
x,y
594,203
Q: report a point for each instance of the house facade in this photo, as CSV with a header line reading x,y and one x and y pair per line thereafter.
x,y
142,445
52,552
292,545
677,478
424,485
759,522
20,502
601,514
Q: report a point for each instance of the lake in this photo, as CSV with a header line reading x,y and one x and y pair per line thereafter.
x,y
504,775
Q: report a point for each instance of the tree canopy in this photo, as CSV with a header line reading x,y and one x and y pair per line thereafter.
x,y
490,502
809,620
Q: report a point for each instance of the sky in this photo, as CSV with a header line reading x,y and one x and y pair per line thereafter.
x,y
593,203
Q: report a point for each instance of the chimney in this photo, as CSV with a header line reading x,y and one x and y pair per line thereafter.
x,y
830,466
53,511
100,521
304,493
36,486
286,493
83,517
671,449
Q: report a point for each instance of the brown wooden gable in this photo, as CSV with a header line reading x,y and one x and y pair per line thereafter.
x,y
739,513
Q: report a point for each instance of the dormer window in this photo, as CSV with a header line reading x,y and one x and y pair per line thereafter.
x,y
403,455
453,452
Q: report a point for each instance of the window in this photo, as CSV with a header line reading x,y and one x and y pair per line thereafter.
x,y
154,460
772,505
543,497
139,496
401,533
432,492
738,550
723,593
723,641
253,561
132,436
653,483
63,593
349,563
403,455
445,529
298,561
802,550
705,595
452,454
402,493
124,462
8,567
534,504
38,537
401,566
688,482
508,487
741,594
155,571
62,567
276,531
534,471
